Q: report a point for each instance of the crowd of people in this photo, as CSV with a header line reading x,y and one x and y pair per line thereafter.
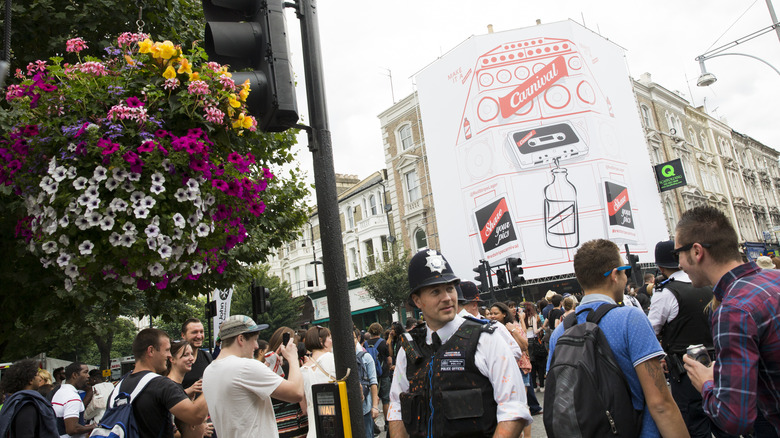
x,y
469,367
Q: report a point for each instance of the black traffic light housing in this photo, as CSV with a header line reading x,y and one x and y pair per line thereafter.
x,y
261,299
501,278
515,271
252,34
482,276
636,272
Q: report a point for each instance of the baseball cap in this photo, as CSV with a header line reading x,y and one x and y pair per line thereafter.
x,y
236,325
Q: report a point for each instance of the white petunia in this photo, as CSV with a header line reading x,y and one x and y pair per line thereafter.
x,y
63,259
127,240
126,279
147,202
177,233
83,199
86,247
202,230
52,165
178,251
92,191
79,183
155,220
152,230
112,184
193,194
210,200
64,222
197,268
118,204
157,189
192,184
81,223
71,172
156,269
100,173
68,285
93,218
72,271
164,251
107,223
114,238
136,197
49,247
46,262
45,181
141,213
59,173
128,186
92,204
178,220
192,247
194,218
72,147
151,242
119,174
180,195
128,226
134,176
64,240
50,227
158,179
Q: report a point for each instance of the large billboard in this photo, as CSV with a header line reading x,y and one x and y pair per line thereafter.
x,y
535,146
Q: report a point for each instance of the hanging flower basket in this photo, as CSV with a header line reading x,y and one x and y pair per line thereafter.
x,y
127,163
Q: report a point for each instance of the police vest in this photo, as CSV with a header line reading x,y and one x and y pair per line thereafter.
x,y
690,326
448,396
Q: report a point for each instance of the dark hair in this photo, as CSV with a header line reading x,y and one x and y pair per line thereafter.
x,y
315,338
508,317
226,343
356,333
74,367
556,300
593,259
276,339
148,337
511,304
261,346
410,323
709,225
175,347
19,375
188,322
397,328
649,277
57,371
375,329
96,373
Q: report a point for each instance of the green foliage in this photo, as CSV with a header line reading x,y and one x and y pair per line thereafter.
x,y
389,285
285,310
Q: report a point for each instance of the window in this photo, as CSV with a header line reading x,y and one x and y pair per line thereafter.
x,y
690,175
351,217
405,135
385,248
692,136
354,262
656,153
372,205
412,186
420,239
370,256
646,120
704,143
716,182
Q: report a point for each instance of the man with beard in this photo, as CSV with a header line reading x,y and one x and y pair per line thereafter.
x,y
68,405
192,332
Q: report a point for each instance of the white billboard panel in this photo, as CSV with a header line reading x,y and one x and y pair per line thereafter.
x,y
535,146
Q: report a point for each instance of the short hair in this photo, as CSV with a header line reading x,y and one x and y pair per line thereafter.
x,y
74,367
19,375
708,225
315,338
96,373
57,371
593,259
375,329
410,323
776,261
568,303
508,317
188,322
262,347
649,277
148,337
232,340
276,339
556,300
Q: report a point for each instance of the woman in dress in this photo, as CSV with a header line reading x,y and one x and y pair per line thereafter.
x,y
319,367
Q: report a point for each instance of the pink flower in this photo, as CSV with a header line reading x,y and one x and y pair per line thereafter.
x,y
143,284
75,45
162,284
257,208
219,184
16,91
128,38
227,83
198,87
93,67
146,146
134,102
235,157
214,115
170,84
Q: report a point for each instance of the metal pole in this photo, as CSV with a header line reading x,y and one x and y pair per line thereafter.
x,y
334,267
774,17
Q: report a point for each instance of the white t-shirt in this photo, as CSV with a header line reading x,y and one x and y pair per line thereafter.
x,y
312,376
67,404
238,393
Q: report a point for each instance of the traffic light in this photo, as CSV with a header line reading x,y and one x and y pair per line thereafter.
x,y
636,272
515,271
501,277
481,278
252,34
261,299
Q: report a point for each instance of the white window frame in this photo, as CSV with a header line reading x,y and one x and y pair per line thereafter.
x,y
405,141
415,190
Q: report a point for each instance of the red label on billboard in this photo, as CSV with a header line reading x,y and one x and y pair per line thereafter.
x,y
617,203
491,224
534,86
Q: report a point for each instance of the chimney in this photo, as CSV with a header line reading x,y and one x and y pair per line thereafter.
x,y
538,21
490,28
645,78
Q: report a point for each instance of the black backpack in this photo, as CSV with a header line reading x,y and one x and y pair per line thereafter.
x,y
586,394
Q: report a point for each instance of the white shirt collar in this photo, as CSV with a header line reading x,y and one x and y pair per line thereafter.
x,y
445,332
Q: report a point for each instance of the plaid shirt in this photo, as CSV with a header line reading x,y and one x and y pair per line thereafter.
x,y
746,334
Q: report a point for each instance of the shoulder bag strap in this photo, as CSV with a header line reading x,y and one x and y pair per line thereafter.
x,y
317,364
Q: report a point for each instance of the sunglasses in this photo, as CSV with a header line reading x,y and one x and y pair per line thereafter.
x,y
626,268
676,252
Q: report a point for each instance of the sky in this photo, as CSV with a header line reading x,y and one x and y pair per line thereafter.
x,y
364,42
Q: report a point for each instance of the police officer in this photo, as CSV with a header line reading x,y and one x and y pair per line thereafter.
x,y
453,377
678,316
468,300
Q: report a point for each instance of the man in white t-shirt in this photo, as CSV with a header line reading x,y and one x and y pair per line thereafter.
x,y
238,389
67,404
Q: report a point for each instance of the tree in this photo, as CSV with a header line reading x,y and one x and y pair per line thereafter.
x,y
389,285
285,310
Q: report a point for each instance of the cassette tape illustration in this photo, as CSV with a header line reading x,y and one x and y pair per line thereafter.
x,y
545,144
539,80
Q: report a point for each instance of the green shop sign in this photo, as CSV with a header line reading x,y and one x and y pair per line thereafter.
x,y
670,175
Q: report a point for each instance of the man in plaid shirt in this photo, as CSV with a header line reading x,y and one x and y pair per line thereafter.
x,y
741,391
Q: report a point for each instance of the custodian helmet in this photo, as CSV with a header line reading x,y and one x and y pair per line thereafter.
x,y
429,267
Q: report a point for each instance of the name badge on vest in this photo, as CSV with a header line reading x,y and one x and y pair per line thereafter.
x,y
453,361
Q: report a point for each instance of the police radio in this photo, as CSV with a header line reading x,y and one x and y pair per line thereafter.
x,y
331,411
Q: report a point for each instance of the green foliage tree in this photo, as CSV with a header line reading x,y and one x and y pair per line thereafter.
x,y
389,285
285,310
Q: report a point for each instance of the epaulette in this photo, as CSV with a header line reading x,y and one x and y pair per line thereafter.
x,y
488,325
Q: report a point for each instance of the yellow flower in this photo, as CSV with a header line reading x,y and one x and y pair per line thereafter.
x,y
195,76
243,121
243,94
225,72
145,46
165,50
130,60
185,66
233,101
170,73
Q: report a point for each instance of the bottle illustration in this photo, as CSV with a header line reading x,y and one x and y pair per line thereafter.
x,y
467,128
561,217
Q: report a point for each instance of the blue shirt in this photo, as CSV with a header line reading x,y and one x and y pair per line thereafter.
x,y
632,340
368,365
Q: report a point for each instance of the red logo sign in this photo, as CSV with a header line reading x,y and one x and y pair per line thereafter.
x,y
618,203
534,86
491,224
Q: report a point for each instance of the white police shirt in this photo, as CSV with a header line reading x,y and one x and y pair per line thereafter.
x,y
493,359
663,305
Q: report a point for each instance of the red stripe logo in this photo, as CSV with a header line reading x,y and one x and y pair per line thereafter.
x,y
618,203
533,87
491,224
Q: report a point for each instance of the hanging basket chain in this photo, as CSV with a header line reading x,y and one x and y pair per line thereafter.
x,y
140,22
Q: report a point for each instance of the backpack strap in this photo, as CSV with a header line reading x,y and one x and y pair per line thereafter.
x,y
596,315
138,388
571,319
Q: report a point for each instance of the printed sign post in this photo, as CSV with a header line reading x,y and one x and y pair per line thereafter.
x,y
670,175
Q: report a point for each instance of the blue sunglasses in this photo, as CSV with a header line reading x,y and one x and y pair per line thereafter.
x,y
626,268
